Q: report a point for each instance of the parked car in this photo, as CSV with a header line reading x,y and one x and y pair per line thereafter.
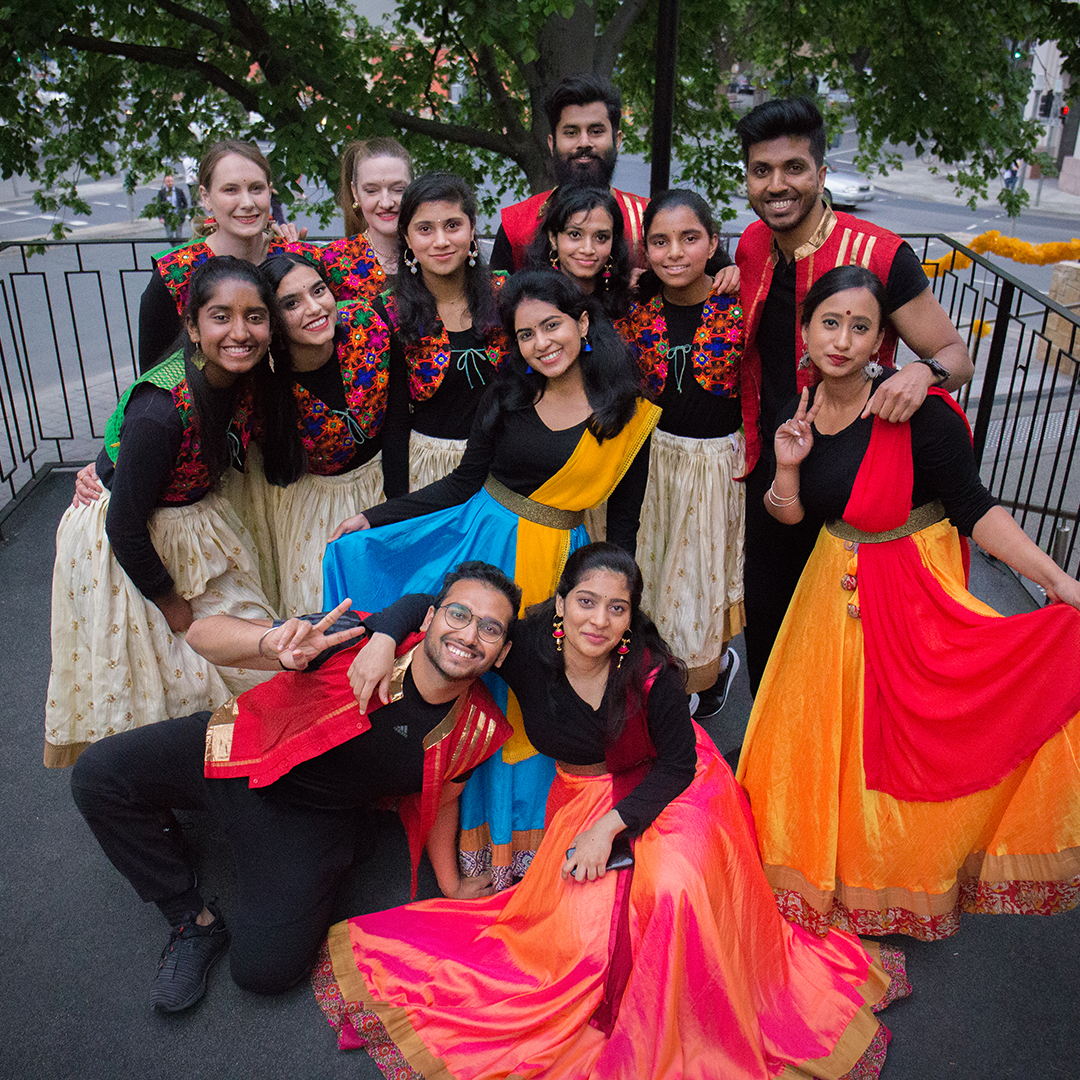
x,y
846,189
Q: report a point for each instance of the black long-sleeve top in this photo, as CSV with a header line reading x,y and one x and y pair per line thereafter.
x,y
159,323
563,726
945,466
525,454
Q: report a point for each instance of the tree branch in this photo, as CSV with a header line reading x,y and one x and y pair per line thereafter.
x,y
162,56
193,18
466,135
609,44
504,104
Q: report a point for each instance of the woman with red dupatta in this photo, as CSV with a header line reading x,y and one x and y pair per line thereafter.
x,y
678,965
911,754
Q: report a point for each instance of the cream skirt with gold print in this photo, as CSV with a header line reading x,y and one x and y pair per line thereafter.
x,y
430,459
690,547
115,662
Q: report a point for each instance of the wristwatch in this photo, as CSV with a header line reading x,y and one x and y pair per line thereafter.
x,y
941,372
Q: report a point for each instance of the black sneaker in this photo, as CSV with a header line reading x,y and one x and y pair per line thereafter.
x,y
191,952
711,701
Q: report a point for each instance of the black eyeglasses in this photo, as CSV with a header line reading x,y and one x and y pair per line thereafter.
x,y
459,616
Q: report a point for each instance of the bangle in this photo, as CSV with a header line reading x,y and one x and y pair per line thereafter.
x,y
778,500
258,648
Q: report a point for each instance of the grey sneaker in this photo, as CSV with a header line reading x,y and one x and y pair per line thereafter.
x,y
711,701
191,952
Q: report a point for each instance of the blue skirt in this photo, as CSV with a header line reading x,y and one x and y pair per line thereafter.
x,y
375,567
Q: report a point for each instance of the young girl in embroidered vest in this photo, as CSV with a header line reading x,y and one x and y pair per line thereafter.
x,y
447,342
374,176
582,235
679,965
910,754
234,190
322,451
558,432
136,566
689,342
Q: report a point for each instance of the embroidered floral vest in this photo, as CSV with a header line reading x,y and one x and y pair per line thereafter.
x,y
330,437
190,478
429,359
715,353
353,269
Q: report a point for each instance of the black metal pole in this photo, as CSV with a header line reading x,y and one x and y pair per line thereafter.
x,y
667,24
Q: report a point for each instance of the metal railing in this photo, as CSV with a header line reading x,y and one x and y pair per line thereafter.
x,y
68,347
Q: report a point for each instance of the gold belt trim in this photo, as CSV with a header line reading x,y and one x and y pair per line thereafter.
x,y
537,512
599,769
922,517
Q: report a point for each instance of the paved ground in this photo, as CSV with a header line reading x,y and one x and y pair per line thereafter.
x,y
997,1000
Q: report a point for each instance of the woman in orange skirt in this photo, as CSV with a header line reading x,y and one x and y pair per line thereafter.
x,y
911,754
678,965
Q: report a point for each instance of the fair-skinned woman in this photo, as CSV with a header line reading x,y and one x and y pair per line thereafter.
x,y
910,754
374,176
689,340
135,567
447,343
559,431
235,181
323,449
560,975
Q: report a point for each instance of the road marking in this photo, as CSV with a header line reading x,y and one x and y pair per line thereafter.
x,y
22,213
98,202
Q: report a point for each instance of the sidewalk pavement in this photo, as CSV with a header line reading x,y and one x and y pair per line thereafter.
x,y
917,181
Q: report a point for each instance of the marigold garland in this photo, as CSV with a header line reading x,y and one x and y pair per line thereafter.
x,y
1008,247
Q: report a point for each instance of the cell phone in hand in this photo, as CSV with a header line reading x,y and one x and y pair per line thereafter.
x,y
620,858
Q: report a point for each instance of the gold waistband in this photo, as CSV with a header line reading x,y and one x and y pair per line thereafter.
x,y
531,510
922,517
599,769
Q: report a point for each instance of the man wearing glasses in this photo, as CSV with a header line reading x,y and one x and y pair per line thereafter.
x,y
289,769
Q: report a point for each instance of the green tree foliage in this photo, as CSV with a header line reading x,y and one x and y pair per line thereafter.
x,y
106,86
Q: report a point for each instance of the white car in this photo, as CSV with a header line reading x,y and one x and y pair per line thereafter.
x,y
845,189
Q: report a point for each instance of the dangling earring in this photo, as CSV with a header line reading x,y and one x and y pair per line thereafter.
x,y
557,632
198,357
872,369
608,267
210,226
623,649
474,252
355,205
410,260
805,363
585,346
553,258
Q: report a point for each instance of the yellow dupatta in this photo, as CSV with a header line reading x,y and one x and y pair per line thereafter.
x,y
586,480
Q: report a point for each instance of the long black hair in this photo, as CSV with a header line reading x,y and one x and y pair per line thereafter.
x,y
649,284
417,312
608,370
284,456
214,408
626,681
612,287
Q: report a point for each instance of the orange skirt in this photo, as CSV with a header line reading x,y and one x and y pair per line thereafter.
x,y
838,854
719,985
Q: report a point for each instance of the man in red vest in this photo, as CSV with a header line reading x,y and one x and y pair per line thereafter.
x,y
583,112
779,257
288,771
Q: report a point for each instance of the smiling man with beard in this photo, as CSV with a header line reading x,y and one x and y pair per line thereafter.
x,y
584,112
288,771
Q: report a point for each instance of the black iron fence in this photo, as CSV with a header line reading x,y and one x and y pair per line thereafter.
x,y
68,347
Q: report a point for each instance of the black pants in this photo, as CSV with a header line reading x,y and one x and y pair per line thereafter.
x,y
289,860
775,557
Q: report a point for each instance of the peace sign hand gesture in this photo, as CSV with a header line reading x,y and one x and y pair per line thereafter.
x,y
795,438
297,642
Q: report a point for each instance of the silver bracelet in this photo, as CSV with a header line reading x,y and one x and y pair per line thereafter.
x,y
261,640
778,500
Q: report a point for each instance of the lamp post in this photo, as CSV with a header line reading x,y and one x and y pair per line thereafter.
x,y
667,23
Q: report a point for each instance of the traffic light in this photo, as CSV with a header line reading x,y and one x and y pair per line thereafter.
x,y
1064,112
1046,104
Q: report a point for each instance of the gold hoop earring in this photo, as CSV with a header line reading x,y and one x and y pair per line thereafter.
x,y
553,258
410,260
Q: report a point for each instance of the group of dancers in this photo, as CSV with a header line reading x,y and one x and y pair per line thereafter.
x,y
344,474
